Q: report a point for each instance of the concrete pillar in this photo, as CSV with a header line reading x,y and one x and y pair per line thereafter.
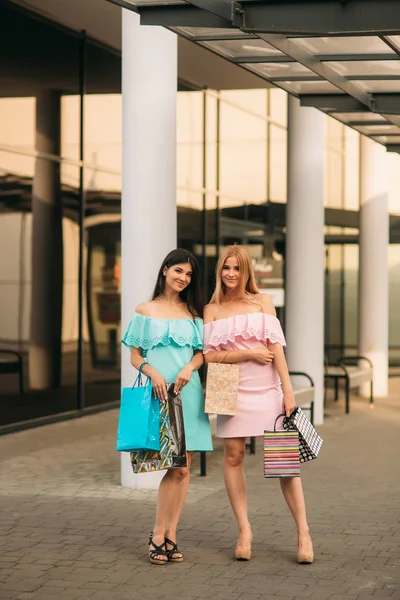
x,y
305,246
374,274
149,220
47,250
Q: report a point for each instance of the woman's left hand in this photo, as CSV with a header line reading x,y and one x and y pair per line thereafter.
x,y
289,403
183,378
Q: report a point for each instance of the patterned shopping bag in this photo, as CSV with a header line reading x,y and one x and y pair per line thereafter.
x,y
281,453
222,389
172,451
310,441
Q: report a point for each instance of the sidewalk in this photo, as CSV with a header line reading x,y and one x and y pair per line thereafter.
x,y
69,531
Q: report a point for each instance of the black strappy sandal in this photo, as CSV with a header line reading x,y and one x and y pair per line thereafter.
x,y
158,551
174,550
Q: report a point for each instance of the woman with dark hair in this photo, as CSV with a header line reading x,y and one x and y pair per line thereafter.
x,y
167,334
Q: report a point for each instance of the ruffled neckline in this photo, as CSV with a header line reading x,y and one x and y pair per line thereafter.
x,y
148,332
242,315
260,326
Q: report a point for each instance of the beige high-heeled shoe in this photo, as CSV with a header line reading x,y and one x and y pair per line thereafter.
x,y
306,557
243,553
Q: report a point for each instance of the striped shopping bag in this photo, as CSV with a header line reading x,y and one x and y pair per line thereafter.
x,y
281,453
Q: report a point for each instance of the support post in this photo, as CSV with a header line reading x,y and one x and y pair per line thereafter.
x,y
149,219
374,269
305,247
47,248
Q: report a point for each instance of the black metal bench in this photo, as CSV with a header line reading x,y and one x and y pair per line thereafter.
x,y
304,395
354,371
11,362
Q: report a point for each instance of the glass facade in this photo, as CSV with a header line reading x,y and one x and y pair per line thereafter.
x,y
231,188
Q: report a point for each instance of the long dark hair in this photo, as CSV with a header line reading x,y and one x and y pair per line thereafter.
x,y
192,294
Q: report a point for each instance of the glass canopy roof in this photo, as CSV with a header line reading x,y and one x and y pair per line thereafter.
x,y
341,57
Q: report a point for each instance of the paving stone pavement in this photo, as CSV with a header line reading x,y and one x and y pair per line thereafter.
x,y
69,531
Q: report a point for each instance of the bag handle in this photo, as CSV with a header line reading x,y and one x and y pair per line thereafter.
x,y
276,420
227,352
138,379
285,418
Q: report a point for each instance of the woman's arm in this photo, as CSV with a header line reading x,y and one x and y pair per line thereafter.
x,y
229,356
197,361
186,373
289,403
157,380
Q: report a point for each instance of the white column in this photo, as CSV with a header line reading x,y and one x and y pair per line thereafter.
x,y
47,249
305,246
373,270
149,230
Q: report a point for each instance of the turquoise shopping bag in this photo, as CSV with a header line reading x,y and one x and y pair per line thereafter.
x,y
139,418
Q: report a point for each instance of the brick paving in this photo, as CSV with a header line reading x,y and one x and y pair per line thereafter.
x,y
69,531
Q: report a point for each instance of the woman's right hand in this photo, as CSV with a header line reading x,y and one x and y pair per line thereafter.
x,y
159,385
262,355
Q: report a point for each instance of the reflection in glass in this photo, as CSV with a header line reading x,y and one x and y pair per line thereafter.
x,y
278,100
17,136
243,154
278,164
334,164
351,168
351,254
394,300
334,301
104,292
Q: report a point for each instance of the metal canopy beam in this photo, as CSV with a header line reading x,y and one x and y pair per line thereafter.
x,y
124,4
290,17
380,103
363,123
393,148
222,8
329,17
180,15
355,57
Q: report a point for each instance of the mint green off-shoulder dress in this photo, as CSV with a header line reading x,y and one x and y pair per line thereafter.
x,y
168,345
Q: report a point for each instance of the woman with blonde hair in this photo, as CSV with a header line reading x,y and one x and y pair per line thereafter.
x,y
241,327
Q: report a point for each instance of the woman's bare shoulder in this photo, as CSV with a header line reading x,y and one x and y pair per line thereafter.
x,y
210,312
146,309
267,304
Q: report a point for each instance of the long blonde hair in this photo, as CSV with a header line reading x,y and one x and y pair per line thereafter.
x,y
247,279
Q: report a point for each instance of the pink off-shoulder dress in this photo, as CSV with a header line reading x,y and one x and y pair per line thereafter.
x,y
260,391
